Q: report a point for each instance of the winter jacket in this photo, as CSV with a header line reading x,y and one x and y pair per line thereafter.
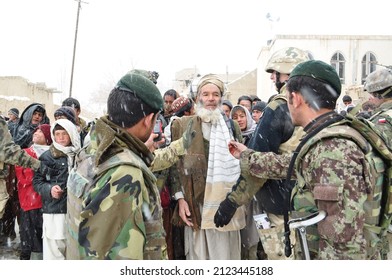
x,y
23,131
29,199
122,213
43,183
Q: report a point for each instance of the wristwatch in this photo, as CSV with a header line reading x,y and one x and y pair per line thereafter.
x,y
178,195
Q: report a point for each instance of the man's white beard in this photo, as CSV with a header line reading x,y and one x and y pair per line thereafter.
x,y
207,115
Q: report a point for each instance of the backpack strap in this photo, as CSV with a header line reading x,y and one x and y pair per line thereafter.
x,y
335,119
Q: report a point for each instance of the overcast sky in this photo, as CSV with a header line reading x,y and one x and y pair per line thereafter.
x,y
114,36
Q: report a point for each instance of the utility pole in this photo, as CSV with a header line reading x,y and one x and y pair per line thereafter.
x,y
74,48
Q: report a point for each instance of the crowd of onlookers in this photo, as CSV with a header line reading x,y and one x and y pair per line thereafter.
x,y
30,196
191,194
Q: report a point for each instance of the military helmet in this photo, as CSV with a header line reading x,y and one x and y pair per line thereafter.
x,y
379,80
284,60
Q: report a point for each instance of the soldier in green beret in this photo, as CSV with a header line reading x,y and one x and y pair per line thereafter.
x,y
330,169
274,133
121,216
118,214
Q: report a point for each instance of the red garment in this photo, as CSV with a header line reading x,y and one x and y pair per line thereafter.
x,y
29,199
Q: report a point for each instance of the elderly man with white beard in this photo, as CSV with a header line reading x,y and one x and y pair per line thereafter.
x,y
204,176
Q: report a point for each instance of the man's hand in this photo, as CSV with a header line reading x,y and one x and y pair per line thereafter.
x,y
188,135
225,212
184,213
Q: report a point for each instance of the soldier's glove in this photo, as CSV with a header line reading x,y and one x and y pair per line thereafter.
x,y
225,212
188,135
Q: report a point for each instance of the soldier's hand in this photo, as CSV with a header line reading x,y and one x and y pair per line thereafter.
x,y
225,212
153,145
188,135
236,148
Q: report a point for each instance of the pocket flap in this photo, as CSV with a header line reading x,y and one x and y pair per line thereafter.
x,y
326,193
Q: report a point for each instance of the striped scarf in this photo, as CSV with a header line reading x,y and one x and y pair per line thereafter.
x,y
223,171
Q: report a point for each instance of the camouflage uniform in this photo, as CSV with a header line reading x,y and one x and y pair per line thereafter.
x,y
379,84
123,206
382,117
167,156
274,133
330,181
12,154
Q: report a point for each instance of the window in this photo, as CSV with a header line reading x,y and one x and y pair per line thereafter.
x,y
369,63
338,62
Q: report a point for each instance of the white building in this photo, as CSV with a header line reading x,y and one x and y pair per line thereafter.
x,y
353,57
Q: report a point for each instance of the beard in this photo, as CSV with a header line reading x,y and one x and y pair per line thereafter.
x,y
207,115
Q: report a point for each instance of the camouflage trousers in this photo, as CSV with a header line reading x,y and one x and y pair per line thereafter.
x,y
3,197
273,239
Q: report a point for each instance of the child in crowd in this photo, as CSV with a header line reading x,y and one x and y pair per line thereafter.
x,y
30,227
60,156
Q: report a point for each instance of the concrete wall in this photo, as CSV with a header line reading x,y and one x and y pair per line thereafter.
x,y
18,92
244,85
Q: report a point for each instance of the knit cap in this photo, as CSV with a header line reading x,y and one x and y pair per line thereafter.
x,y
14,111
45,128
66,111
259,106
227,103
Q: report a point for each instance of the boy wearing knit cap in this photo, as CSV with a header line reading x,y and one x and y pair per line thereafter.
x,y
74,103
257,110
66,112
13,113
226,107
13,119
30,227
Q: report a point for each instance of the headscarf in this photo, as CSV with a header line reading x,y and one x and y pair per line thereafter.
x,y
73,133
250,123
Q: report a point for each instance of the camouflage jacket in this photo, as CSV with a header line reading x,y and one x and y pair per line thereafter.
x,y
382,117
274,133
121,216
167,156
332,171
11,153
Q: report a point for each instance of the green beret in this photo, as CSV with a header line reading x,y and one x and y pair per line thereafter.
x,y
318,70
151,75
143,88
